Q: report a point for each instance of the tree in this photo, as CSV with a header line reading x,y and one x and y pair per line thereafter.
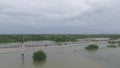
x,y
39,56
92,47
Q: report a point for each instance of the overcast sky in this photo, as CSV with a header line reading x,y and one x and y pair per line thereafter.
x,y
59,16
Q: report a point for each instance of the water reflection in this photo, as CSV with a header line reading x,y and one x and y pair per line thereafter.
x,y
89,50
39,63
61,50
23,63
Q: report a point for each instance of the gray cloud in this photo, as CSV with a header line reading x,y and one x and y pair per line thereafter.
x,y
57,14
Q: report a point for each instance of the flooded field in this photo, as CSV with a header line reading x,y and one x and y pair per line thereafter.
x,y
62,56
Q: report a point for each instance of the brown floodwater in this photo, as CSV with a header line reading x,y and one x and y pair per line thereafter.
x,y
68,56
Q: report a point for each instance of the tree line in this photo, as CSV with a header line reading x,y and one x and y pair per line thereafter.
x,y
4,38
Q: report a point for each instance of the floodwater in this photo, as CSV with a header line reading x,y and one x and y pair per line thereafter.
x,y
62,56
